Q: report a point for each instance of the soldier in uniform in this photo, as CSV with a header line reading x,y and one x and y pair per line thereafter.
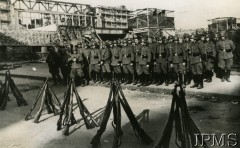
x,y
161,63
53,64
127,55
169,46
177,59
224,48
195,55
152,45
187,71
76,67
95,59
105,53
116,61
86,62
144,63
65,66
208,58
137,53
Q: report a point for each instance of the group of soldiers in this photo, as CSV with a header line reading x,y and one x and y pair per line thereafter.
x,y
145,61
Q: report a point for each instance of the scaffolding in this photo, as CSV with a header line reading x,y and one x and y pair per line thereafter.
x,y
223,24
40,13
152,22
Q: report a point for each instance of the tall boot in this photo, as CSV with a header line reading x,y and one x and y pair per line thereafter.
x,y
130,78
223,75
147,80
125,77
98,77
141,80
104,77
206,76
185,79
158,79
180,79
109,78
210,76
195,80
200,81
189,78
170,77
166,79
136,79
228,76
54,79
154,78
175,77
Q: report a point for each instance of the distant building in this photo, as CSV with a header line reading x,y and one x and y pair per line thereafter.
x,y
223,24
111,17
152,22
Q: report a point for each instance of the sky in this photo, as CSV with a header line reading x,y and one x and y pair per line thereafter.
x,y
189,14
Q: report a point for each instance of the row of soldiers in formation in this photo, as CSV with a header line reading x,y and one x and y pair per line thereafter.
x,y
145,61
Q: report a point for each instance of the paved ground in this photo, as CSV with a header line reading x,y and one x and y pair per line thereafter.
x,y
216,88
15,132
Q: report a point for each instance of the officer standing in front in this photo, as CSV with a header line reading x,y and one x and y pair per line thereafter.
x,y
224,48
177,61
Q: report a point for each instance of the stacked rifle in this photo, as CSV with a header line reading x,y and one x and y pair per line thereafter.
x,y
4,91
48,98
66,116
115,100
185,128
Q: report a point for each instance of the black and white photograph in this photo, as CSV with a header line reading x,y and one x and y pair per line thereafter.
x,y
119,74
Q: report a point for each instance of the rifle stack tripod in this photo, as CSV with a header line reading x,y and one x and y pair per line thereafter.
x,y
48,98
66,116
115,101
4,91
185,128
